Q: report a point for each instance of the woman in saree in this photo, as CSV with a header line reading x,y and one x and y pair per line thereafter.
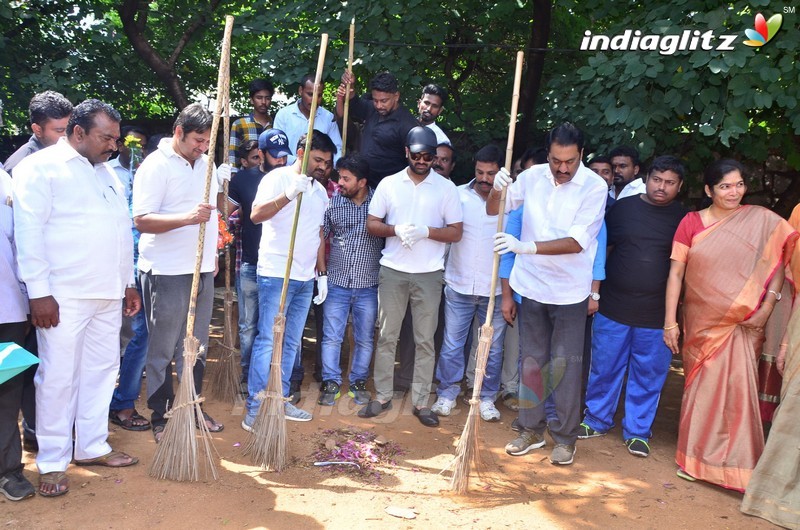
x,y
773,492
729,258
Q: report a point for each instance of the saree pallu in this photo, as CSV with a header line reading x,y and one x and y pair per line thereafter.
x,y
773,492
728,267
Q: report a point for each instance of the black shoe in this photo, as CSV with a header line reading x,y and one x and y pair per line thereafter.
x,y
16,487
329,394
358,391
515,426
374,408
294,392
426,417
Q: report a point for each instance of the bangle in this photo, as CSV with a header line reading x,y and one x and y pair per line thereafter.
x,y
667,328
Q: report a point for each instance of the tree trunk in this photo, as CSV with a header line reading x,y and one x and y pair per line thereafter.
x,y
531,84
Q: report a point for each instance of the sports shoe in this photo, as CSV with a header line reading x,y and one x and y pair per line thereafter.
x,y
489,412
16,487
586,432
638,447
526,442
295,414
329,394
358,391
562,454
443,406
247,426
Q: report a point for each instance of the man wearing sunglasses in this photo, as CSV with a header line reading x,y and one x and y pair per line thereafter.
x,y
418,212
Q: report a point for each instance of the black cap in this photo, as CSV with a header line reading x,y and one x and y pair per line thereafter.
x,y
421,139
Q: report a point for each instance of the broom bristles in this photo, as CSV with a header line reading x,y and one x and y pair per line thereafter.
x,y
224,377
267,442
176,455
468,448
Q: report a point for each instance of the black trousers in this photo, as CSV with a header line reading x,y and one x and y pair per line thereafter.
x,y
10,402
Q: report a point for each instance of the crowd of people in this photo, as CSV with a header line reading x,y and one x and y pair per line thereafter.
x,y
604,276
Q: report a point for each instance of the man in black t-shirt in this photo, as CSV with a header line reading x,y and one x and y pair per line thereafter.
x,y
274,146
627,332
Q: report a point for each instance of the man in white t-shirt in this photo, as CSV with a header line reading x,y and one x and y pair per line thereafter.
x,y
430,105
168,207
564,205
418,211
274,208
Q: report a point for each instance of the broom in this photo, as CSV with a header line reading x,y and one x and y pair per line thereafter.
x,y
267,442
347,93
467,450
224,379
176,455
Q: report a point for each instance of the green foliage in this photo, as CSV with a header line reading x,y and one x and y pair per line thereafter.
x,y
697,104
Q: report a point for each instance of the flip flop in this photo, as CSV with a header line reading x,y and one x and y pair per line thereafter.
x,y
158,431
54,478
105,460
214,427
128,423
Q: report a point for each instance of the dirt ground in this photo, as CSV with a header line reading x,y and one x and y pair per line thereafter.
x,y
605,487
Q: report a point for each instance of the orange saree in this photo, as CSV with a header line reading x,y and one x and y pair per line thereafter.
x,y
728,266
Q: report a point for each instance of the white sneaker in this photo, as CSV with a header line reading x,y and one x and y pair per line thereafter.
x,y
489,412
295,414
443,406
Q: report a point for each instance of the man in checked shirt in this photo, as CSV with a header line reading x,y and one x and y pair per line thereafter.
x,y
352,281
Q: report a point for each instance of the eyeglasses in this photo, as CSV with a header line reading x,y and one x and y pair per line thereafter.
x,y
427,157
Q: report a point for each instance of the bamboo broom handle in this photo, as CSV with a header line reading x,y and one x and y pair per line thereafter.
x,y
345,118
304,166
512,126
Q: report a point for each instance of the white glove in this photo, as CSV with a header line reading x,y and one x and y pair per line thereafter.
x,y
402,231
299,184
505,243
322,289
414,234
502,179
224,173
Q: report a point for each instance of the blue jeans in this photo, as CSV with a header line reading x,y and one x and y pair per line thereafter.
x,y
132,365
364,305
641,351
247,292
459,311
298,301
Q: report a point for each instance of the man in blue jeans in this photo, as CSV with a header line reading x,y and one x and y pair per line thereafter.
x,y
467,289
274,146
274,208
353,281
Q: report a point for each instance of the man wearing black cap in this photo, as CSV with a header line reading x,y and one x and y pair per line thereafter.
x,y
418,212
274,146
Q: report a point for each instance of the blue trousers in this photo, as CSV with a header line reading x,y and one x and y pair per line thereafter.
x,y
247,293
298,301
615,349
459,311
340,302
133,362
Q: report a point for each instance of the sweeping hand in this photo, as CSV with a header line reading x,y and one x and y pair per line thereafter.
x,y
224,173
322,290
299,184
502,179
505,243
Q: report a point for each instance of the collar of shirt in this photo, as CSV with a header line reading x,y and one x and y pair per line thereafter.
x,y
427,180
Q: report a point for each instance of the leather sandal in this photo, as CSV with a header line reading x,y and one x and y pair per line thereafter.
x,y
54,478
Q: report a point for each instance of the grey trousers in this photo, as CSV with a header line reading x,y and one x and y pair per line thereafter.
x,y
551,363
395,291
166,304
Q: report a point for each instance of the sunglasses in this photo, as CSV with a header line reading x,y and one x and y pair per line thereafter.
x,y
427,157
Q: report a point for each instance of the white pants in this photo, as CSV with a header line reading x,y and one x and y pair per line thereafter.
x,y
78,364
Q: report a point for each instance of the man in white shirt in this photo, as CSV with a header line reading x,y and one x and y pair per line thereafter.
x,y
429,106
13,328
418,212
564,204
468,281
75,253
293,118
274,208
123,165
168,207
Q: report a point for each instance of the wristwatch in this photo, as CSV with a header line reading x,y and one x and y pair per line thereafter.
x,y
595,296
